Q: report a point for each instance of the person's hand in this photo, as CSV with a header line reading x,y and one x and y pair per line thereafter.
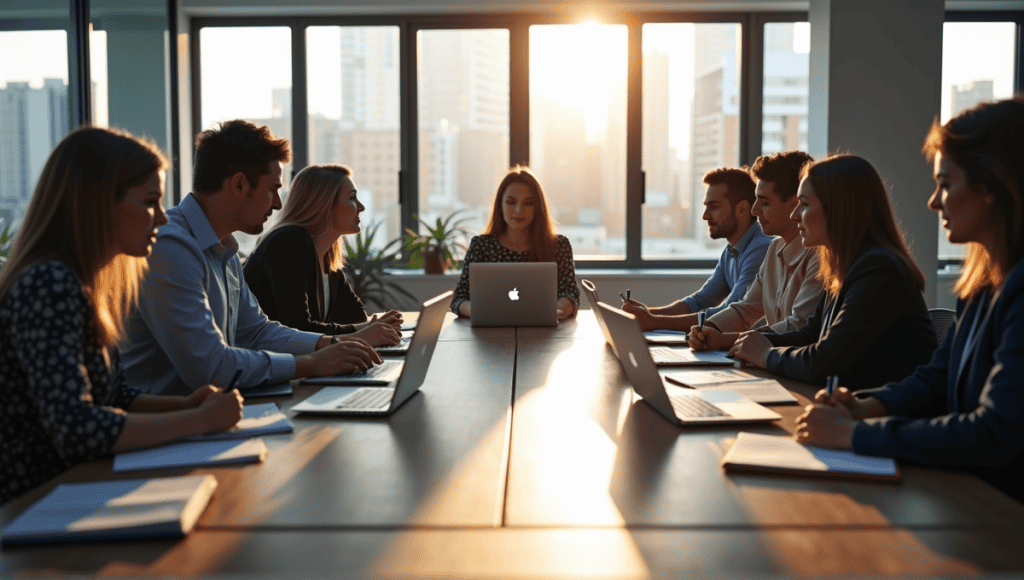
x,y
826,425
565,309
379,333
708,338
198,396
859,408
392,318
642,314
752,348
347,356
220,411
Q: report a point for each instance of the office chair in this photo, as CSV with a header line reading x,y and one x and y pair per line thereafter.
x,y
942,320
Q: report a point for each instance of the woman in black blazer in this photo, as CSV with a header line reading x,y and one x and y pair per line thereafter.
x,y
871,325
295,272
965,408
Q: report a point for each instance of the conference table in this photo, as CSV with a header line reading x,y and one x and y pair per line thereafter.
x,y
527,454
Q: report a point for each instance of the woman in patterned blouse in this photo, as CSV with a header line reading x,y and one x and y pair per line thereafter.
x,y
72,277
521,230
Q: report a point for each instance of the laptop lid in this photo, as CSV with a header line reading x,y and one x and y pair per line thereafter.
x,y
590,293
514,293
635,357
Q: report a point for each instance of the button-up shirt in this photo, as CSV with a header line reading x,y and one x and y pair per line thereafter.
x,y
736,270
785,291
197,323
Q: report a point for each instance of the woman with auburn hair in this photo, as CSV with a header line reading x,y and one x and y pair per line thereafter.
x,y
521,230
72,277
296,271
871,326
965,408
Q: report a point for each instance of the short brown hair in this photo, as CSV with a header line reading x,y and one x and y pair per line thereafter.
x,y
233,147
782,170
858,213
739,185
987,142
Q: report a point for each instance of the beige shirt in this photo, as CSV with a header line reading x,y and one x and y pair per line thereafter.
x,y
785,292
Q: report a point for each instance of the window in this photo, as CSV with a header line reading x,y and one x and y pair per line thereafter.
x,y
978,64
33,113
785,99
690,125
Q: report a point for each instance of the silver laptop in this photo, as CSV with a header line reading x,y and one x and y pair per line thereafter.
x,y
663,356
681,408
384,400
514,293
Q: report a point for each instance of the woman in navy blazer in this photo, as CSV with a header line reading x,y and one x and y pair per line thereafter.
x,y
871,325
964,409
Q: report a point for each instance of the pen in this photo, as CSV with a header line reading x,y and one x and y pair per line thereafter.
x,y
831,383
703,314
625,297
234,381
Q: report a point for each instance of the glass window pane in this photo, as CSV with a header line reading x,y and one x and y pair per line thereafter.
x,y
246,73
690,125
33,113
578,132
354,114
978,62
463,122
784,106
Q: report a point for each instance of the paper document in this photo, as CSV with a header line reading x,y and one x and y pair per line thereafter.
x,y
758,389
673,337
781,454
257,421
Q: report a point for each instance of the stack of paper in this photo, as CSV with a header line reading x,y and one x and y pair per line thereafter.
x,y
138,508
758,389
757,453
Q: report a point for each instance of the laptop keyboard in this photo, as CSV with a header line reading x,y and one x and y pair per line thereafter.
x,y
692,407
378,371
395,349
367,399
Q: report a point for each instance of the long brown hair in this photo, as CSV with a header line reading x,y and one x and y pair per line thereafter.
x,y
858,214
987,142
542,230
70,219
310,205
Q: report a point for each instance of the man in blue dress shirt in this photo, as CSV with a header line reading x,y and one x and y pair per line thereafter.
x,y
727,202
197,323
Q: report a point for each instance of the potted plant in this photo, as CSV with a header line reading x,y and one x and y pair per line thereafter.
x,y
5,245
366,268
435,250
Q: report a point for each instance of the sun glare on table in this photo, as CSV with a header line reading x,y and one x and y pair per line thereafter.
x,y
580,65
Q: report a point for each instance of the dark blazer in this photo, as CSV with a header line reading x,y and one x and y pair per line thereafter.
x,y
285,275
879,329
971,418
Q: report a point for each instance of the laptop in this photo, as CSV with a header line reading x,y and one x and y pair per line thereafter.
x,y
681,408
385,400
663,356
514,293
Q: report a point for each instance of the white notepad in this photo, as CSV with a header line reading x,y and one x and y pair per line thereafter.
x,y
780,454
257,421
758,389
137,508
192,454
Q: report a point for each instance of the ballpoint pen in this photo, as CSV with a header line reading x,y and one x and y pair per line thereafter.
x,y
234,381
625,297
831,383
701,316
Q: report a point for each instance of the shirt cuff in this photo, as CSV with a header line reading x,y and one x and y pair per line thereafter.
x,y
303,342
282,367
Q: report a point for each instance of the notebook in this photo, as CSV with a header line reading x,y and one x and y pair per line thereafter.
x,y
682,407
274,390
113,510
666,337
684,357
758,389
780,454
384,401
192,454
514,293
256,421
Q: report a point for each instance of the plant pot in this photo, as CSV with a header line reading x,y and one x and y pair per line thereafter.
x,y
434,262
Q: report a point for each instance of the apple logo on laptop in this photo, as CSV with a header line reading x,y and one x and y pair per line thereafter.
x,y
513,294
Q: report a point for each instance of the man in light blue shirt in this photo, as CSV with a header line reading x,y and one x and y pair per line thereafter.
x,y
197,323
727,202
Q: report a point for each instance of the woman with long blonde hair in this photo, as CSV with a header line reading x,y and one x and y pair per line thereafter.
x,y
964,409
521,230
296,271
72,277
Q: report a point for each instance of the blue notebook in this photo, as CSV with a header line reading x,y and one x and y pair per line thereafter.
x,y
193,454
257,421
109,510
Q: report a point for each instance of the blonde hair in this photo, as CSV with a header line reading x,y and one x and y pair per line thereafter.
x,y
311,197
70,219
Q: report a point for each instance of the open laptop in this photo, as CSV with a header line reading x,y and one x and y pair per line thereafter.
x,y
514,293
384,400
681,408
663,356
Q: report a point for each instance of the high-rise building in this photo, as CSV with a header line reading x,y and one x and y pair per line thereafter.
x,y
369,78
969,94
785,103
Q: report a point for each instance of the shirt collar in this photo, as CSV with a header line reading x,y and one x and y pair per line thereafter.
x,y
744,241
201,229
791,252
